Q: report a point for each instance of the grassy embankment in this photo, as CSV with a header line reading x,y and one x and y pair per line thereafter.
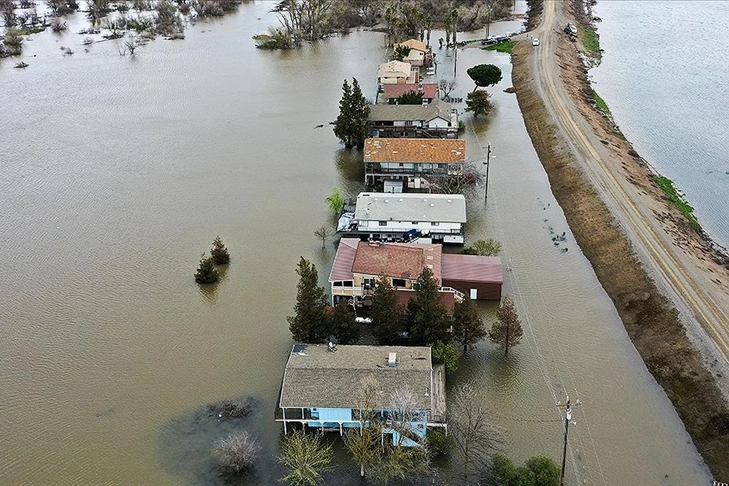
x,y
506,47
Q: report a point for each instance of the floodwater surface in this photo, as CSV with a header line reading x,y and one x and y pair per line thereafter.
x,y
118,172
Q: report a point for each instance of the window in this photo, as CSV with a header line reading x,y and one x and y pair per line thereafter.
x,y
435,223
398,282
368,283
383,223
414,222
348,283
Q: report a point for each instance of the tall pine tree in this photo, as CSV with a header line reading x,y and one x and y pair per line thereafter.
x,y
506,331
428,319
311,323
468,325
351,125
344,326
385,312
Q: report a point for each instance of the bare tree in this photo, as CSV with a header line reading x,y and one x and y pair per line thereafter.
x,y
364,442
131,45
237,452
444,183
472,429
446,87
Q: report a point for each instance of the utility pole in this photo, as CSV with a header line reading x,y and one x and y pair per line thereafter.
x,y
487,164
568,417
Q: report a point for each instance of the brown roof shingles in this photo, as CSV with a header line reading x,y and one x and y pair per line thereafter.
x,y
429,90
399,260
437,150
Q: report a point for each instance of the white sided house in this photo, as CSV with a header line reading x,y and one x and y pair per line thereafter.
x,y
419,54
397,72
404,216
434,119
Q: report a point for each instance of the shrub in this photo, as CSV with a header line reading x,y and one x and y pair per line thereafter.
x,y
237,452
439,444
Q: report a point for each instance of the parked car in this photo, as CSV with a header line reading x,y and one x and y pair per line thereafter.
x,y
535,42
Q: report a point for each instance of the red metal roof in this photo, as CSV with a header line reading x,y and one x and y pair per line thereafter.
x,y
472,268
448,299
342,268
430,90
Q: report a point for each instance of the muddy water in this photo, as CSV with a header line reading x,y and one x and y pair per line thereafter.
x,y
117,173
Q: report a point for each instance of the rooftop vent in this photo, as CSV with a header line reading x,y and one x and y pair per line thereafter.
x,y
392,360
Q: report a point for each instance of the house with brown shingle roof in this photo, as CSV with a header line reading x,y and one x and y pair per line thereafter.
x,y
435,119
412,159
419,54
393,91
358,264
323,388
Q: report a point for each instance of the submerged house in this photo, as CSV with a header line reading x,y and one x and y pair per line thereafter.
x,y
401,217
323,388
412,160
358,264
434,119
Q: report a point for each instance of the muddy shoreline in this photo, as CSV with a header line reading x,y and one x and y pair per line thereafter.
x,y
650,318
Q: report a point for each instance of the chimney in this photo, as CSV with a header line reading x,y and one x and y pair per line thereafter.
x,y
392,360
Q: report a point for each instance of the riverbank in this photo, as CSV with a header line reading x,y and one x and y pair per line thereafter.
x,y
665,331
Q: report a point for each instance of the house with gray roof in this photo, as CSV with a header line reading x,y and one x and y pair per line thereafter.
x,y
436,119
324,386
400,217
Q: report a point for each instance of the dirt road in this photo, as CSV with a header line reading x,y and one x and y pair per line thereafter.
x,y
646,256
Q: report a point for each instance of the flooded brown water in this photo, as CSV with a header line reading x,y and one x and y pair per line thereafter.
x,y
117,173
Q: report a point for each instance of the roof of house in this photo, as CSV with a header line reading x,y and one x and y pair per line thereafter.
x,y
426,150
317,377
431,111
398,260
414,44
447,298
343,260
429,90
444,208
396,69
472,268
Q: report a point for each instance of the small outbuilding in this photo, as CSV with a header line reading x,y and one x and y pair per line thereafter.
x,y
479,277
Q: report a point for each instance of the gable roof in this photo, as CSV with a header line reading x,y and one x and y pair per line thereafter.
x,y
427,150
414,44
377,206
390,69
472,268
343,260
429,90
431,111
317,377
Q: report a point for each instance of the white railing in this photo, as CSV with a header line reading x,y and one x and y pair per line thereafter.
x,y
458,293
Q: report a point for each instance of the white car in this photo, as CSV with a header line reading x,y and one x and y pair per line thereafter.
x,y
535,42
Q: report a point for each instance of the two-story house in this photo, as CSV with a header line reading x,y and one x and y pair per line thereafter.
x,y
434,119
393,72
412,160
419,54
323,388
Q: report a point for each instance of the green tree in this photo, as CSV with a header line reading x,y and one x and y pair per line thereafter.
x,y
506,331
501,472
167,21
446,354
400,52
13,42
410,98
364,442
538,471
468,327
543,469
335,201
206,272
428,320
351,124
484,75
386,312
305,457
344,326
311,323
477,102
489,247
219,252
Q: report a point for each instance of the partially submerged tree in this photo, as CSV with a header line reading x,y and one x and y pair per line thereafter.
x,y
537,471
219,252
445,354
206,272
311,323
468,327
344,326
237,452
335,201
428,320
323,232
506,331
477,102
446,87
351,125
444,183
470,426
488,247
484,75
386,312
305,457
